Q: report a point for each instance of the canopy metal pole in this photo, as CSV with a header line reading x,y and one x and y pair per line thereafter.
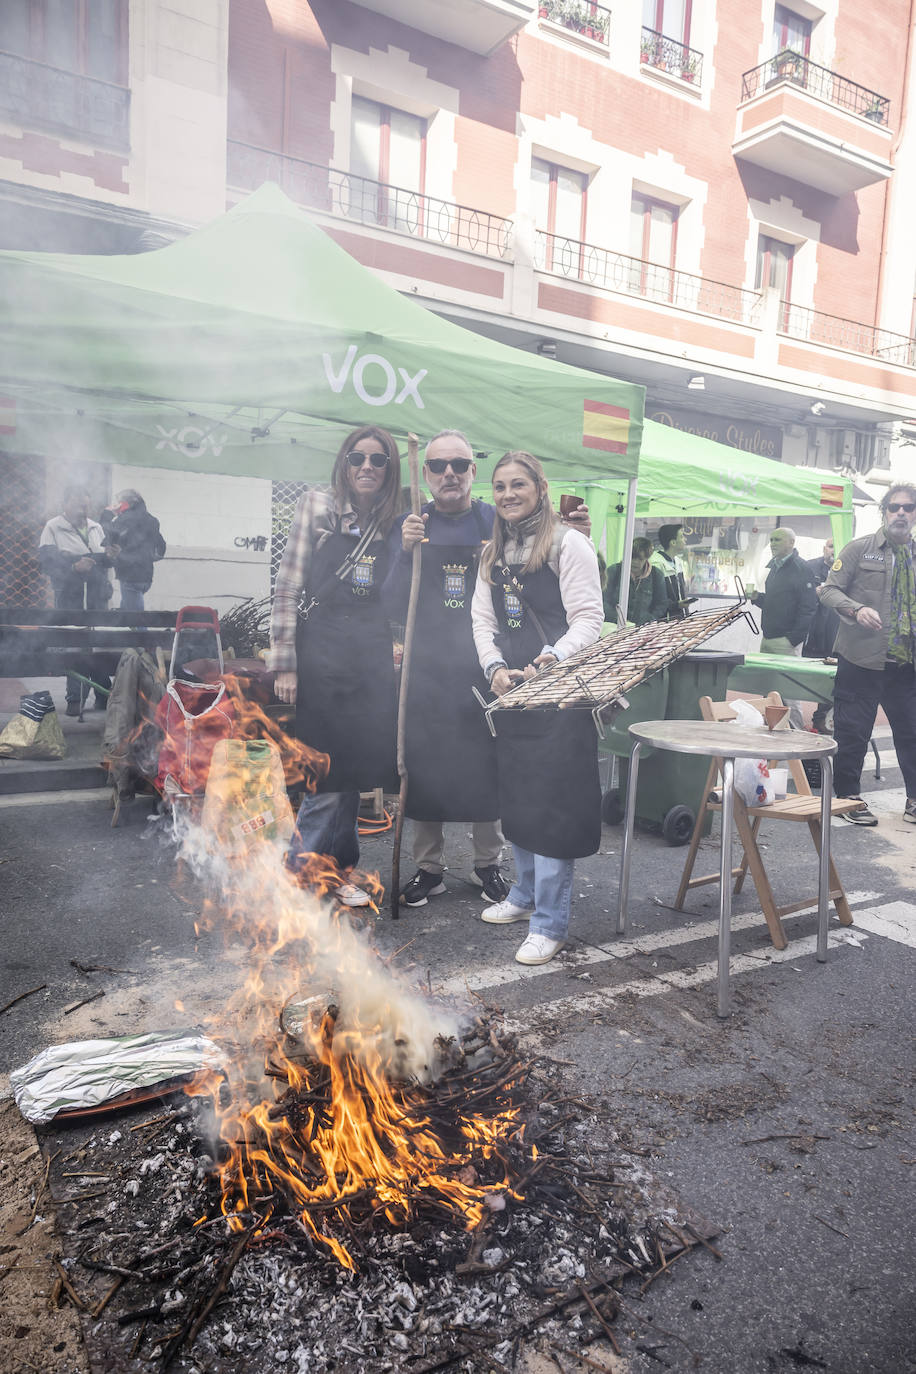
x,y
629,526
413,462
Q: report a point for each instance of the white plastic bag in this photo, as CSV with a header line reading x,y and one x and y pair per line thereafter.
x,y
752,776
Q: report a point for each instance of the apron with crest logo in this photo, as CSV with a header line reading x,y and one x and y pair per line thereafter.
x,y
449,751
346,703
547,760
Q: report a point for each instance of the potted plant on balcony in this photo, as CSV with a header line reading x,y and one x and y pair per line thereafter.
x,y
648,51
689,68
789,65
875,110
575,17
599,23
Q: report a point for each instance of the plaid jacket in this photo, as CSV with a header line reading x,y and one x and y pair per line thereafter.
x,y
316,517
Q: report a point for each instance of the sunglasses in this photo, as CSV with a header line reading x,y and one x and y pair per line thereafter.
x,y
438,465
908,506
356,459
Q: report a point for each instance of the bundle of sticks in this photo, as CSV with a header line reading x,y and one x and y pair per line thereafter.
x,y
599,675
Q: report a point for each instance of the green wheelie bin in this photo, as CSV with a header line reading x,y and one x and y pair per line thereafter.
x,y
671,785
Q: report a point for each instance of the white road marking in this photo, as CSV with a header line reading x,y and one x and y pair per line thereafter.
x,y
78,794
494,975
595,1001
895,921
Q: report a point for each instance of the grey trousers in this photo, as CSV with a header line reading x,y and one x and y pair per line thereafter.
x,y
429,844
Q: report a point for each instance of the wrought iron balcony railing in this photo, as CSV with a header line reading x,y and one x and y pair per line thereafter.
x,y
368,202
834,332
593,21
37,96
819,81
667,55
636,277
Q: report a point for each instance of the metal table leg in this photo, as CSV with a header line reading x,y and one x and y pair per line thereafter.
x,y
623,890
725,882
823,877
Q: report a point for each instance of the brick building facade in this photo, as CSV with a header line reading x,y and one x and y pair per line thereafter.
x,y
713,200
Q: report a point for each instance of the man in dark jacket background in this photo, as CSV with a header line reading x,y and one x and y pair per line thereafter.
x,y
788,602
133,544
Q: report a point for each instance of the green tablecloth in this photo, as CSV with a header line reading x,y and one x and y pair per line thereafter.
x,y
795,679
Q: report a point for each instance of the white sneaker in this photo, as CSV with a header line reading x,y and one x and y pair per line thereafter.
x,y
350,895
504,913
538,949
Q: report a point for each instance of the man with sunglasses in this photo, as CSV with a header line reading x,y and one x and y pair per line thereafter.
x,y
872,585
451,762
450,756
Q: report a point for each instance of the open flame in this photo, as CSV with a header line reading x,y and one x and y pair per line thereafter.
x,y
362,1107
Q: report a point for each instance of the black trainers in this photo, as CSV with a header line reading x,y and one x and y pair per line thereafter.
x,y
862,815
909,811
73,708
421,886
493,885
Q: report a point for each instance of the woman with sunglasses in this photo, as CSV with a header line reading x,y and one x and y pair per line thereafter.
x,y
536,602
331,644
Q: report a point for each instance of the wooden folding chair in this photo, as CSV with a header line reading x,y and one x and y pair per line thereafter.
x,y
800,806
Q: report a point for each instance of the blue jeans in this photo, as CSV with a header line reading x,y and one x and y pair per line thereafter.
x,y
546,885
326,824
131,595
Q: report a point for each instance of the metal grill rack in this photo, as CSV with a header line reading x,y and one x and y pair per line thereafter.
x,y
598,677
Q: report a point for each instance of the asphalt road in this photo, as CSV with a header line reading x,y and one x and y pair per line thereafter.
x,y
789,1126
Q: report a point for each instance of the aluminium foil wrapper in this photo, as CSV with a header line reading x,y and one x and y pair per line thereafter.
x,y
87,1073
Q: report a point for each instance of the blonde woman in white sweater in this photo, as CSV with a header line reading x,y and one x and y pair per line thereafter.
x,y
537,601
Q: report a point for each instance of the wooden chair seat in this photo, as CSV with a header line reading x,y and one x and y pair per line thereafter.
x,y
802,805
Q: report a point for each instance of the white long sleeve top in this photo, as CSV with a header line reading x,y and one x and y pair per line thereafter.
x,y
575,562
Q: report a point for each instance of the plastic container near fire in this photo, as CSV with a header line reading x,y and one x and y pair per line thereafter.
x,y
670,785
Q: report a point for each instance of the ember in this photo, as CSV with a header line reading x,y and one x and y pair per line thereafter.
x,y
583,1231
342,1141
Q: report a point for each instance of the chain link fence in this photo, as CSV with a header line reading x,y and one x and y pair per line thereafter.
x,y
22,518
283,501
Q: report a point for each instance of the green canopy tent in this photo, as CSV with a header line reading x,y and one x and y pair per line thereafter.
x,y
254,344
682,475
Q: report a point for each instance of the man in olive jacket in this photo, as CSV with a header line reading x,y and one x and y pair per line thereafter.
x,y
873,587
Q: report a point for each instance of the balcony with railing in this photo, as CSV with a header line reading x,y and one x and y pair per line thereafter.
x,y
813,125
480,26
37,96
578,16
832,331
331,192
667,55
652,281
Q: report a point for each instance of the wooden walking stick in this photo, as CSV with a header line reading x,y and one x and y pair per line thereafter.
x,y
413,463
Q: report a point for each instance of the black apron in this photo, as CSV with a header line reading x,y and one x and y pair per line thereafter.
x,y
549,791
346,701
449,751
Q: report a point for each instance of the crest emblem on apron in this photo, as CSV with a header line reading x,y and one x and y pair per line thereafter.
x,y
363,575
455,583
513,608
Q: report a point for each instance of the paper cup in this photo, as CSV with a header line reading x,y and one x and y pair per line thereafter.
x,y
779,777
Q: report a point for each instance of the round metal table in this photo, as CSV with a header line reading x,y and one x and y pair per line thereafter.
x,y
728,742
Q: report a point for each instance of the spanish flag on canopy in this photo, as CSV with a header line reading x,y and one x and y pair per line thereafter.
x,y
605,427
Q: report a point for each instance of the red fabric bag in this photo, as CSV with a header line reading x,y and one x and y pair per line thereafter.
x,y
193,717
